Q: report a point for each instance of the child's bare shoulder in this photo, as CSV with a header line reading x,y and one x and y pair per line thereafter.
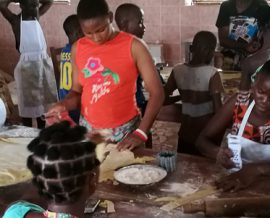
x,y
178,67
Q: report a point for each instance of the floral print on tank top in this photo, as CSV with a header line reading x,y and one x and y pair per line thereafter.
x,y
105,78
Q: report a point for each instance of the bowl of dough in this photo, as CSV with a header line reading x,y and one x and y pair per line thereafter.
x,y
140,174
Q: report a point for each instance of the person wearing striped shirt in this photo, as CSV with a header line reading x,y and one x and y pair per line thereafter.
x,y
200,88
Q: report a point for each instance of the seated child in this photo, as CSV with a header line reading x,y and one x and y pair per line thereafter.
x,y
199,85
73,31
248,115
63,163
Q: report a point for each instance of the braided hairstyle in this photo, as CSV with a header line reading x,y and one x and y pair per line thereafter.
x,y
263,14
61,161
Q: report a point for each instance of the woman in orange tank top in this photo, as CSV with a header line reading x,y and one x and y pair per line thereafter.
x,y
106,63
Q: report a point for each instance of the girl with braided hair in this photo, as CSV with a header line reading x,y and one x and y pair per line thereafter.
x,y
63,163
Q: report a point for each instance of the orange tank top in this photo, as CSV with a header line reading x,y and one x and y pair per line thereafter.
x,y
107,74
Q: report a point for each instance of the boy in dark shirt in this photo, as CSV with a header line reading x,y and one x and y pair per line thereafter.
x,y
237,25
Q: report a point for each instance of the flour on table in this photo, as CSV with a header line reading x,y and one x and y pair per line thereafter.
x,y
180,189
19,132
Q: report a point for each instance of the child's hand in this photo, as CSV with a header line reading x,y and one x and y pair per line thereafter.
x,y
238,180
130,142
54,114
57,108
224,158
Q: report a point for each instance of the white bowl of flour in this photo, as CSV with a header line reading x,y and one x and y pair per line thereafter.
x,y
140,174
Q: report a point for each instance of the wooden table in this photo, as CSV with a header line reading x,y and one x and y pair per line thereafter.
x,y
137,202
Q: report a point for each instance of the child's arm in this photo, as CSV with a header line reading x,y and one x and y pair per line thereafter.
x,y
11,17
224,40
170,86
210,137
45,6
152,81
248,175
148,72
216,88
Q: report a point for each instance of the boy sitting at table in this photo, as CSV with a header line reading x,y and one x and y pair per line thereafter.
x,y
248,115
199,85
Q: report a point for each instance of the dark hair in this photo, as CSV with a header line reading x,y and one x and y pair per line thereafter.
x,y
263,15
61,161
24,2
265,69
203,46
27,2
204,39
123,12
71,24
88,9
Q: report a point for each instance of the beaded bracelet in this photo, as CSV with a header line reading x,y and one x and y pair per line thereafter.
x,y
141,134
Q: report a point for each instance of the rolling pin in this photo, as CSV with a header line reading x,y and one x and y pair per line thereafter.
x,y
242,206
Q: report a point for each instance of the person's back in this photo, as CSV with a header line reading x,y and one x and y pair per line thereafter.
x,y
197,105
199,85
73,31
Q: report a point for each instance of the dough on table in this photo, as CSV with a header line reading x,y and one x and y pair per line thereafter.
x,y
13,158
175,202
116,159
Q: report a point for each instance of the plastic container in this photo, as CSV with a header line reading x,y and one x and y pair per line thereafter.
x,y
167,160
